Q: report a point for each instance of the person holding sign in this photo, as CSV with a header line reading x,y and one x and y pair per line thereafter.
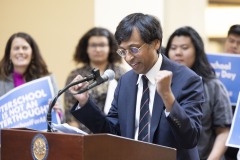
x,y
186,47
22,62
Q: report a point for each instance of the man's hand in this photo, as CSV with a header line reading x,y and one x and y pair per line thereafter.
x,y
83,97
163,85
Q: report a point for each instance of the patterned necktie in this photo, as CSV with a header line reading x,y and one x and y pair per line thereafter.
x,y
143,134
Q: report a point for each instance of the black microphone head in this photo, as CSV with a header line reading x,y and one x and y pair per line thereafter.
x,y
108,75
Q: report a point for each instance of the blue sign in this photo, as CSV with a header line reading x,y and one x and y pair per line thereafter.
x,y
27,105
234,135
227,68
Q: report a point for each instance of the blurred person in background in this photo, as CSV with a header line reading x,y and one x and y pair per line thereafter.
x,y
232,46
186,47
22,62
96,49
232,43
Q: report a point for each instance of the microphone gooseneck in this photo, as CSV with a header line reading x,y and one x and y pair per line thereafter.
x,y
107,76
95,75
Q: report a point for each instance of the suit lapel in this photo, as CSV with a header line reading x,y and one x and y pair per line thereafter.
x,y
156,114
131,93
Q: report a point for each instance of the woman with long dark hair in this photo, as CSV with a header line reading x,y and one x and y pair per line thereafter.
x,y
186,47
96,49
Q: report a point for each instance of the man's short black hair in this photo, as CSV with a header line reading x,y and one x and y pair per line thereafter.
x,y
234,29
148,26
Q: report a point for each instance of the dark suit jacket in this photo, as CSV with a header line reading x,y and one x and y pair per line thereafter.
x,y
180,130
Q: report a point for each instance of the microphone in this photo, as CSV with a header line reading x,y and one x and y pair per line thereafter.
x,y
94,76
108,75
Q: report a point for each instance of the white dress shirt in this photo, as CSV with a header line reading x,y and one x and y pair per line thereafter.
x,y
152,90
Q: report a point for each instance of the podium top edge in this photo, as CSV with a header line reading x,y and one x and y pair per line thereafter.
x,y
129,139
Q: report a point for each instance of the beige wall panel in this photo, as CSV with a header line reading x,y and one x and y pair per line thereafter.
x,y
184,12
56,25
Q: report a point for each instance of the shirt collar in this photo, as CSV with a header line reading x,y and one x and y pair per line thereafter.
x,y
151,74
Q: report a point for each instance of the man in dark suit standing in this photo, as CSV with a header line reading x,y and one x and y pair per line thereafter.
x,y
175,93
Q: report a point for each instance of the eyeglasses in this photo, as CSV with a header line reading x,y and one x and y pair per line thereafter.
x,y
132,50
95,45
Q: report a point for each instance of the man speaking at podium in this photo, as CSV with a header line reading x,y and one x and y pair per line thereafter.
x,y
158,101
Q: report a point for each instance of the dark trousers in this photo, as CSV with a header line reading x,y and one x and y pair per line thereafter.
x,y
231,153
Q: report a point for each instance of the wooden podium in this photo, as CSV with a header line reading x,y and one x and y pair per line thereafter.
x,y
17,144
